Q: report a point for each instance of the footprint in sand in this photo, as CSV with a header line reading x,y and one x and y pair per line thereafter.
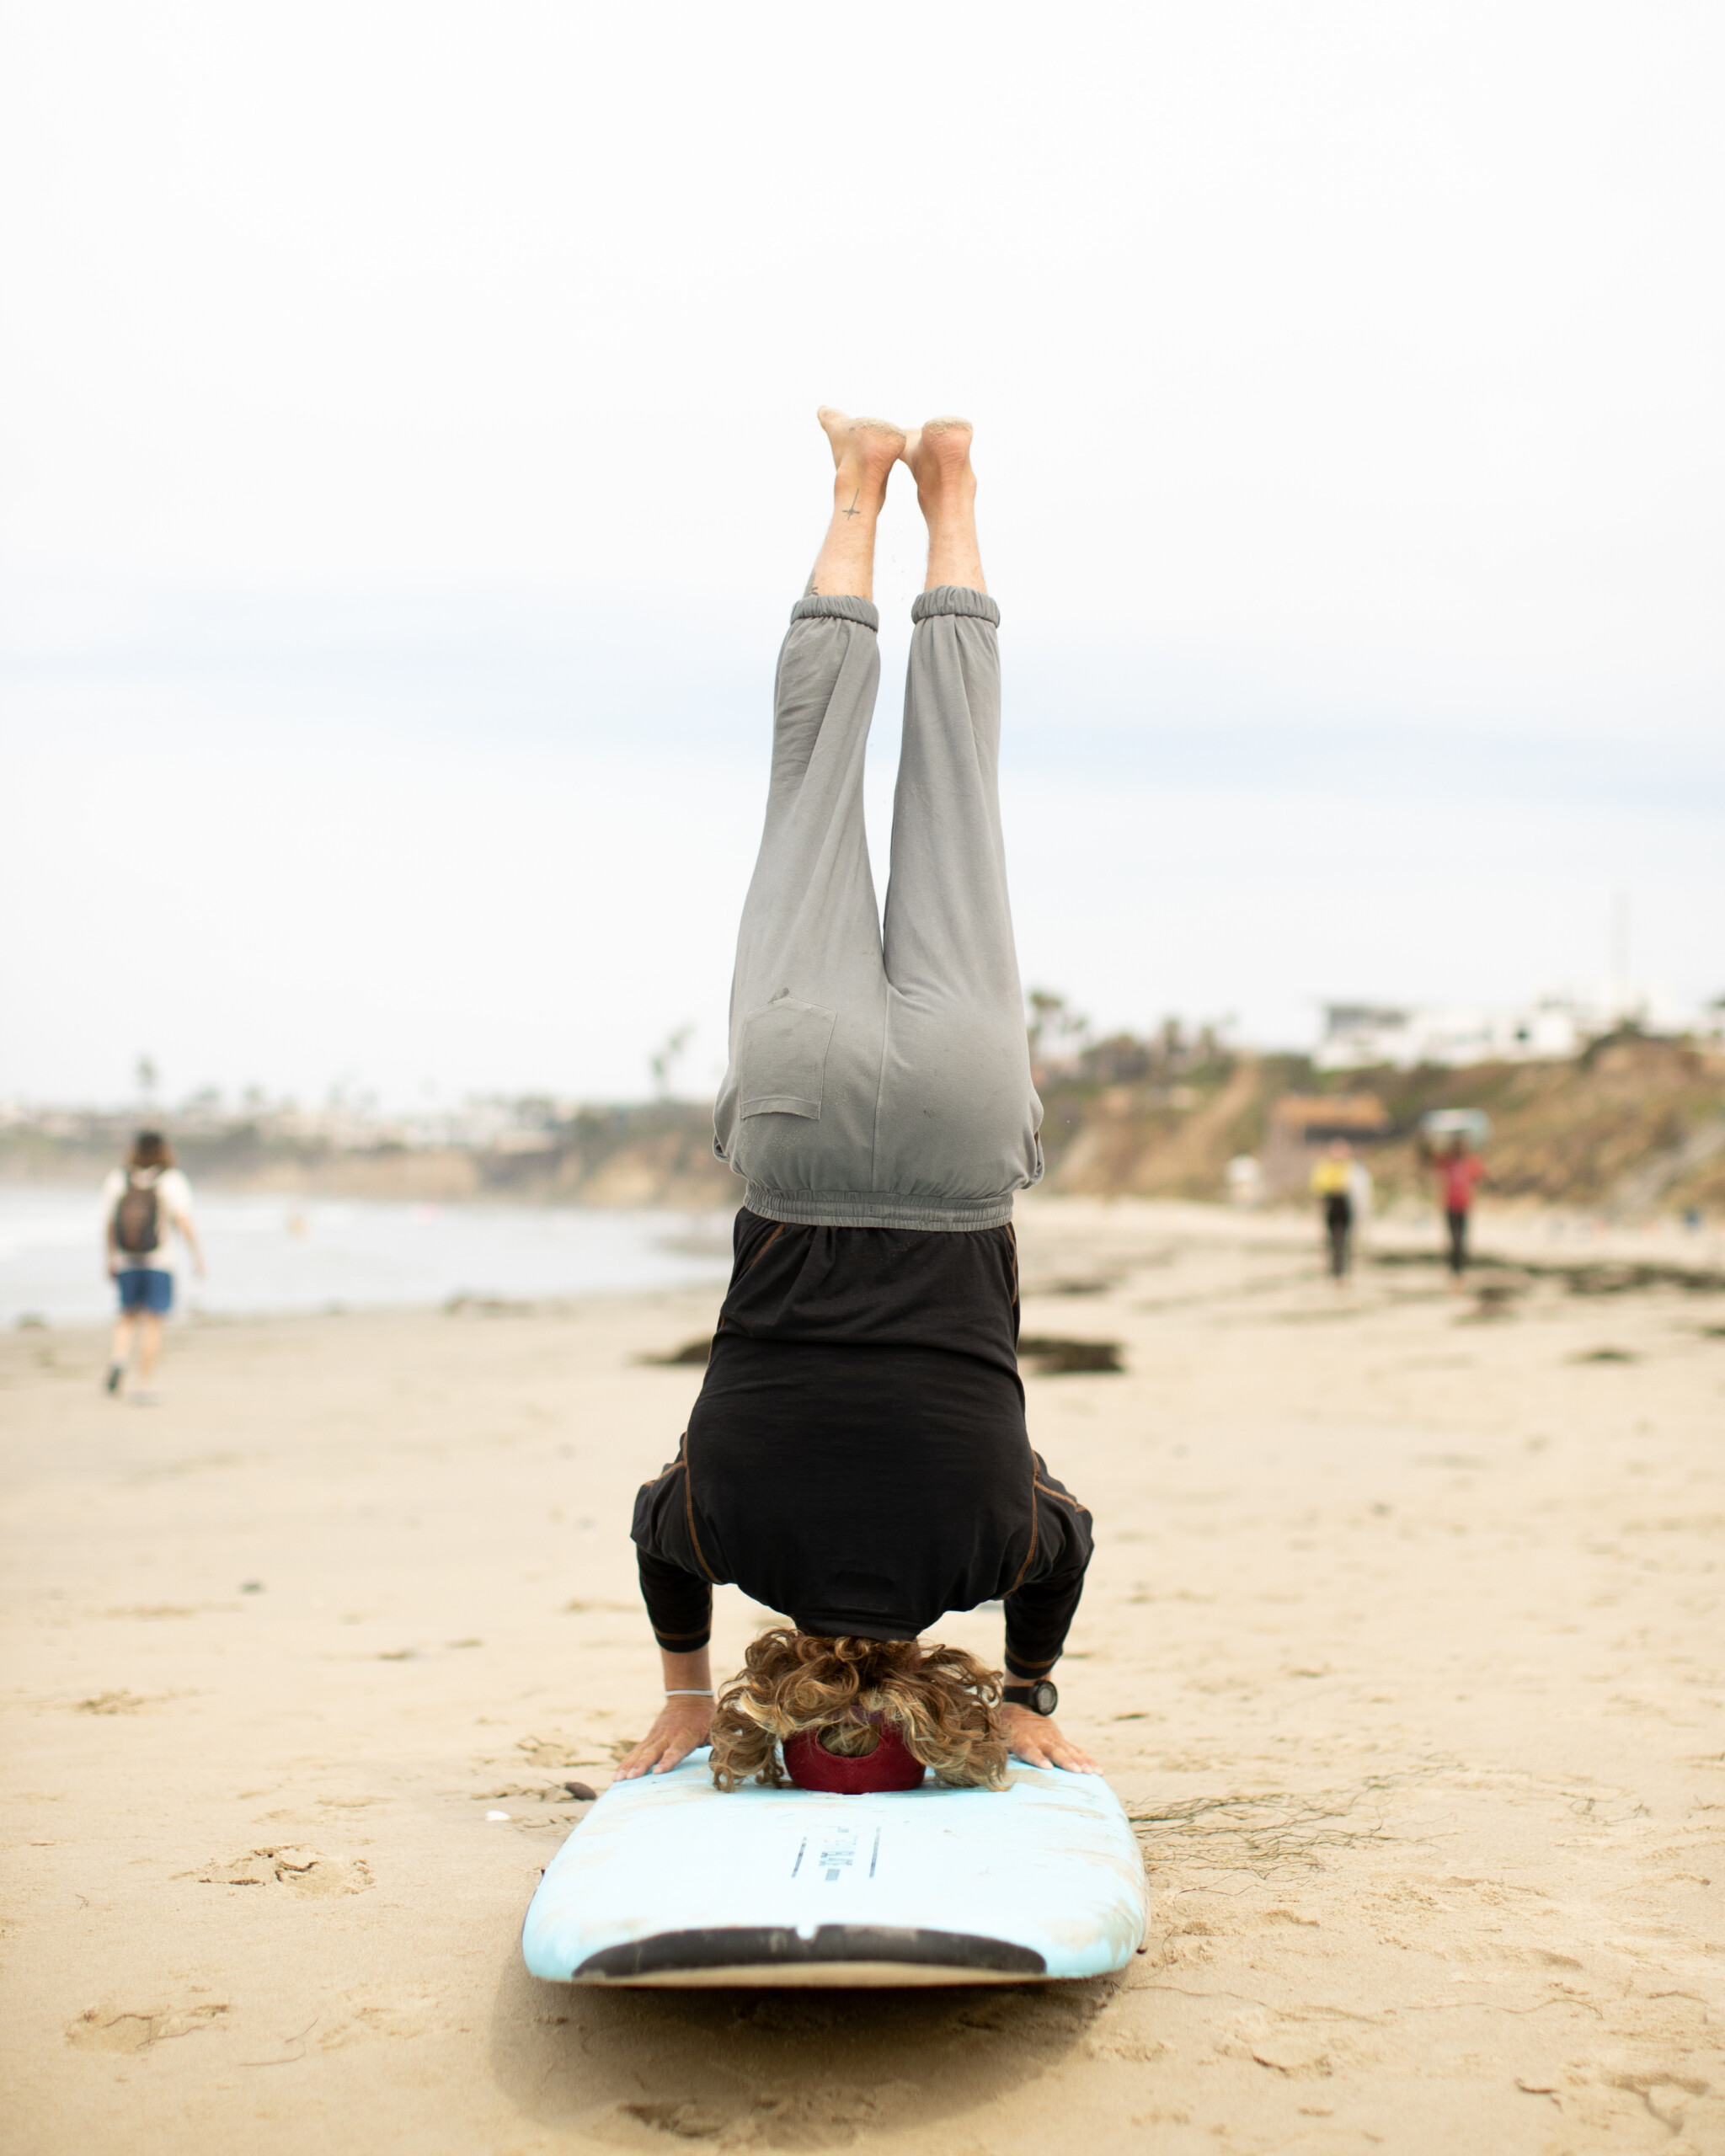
x,y
303,1872
135,2028
376,2010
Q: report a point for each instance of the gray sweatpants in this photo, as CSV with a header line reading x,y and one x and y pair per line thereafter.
x,y
882,1082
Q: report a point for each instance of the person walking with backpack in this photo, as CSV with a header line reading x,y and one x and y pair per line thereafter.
x,y
144,1204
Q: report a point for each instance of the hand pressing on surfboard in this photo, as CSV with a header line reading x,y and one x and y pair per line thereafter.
x,y
682,1727
1037,1742
684,1722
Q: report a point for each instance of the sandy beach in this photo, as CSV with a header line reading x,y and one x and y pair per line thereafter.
x,y
1401,1646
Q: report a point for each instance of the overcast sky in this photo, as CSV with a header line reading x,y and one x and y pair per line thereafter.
x,y
409,462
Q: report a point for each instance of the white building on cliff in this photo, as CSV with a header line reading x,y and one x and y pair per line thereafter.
x,y
1367,1036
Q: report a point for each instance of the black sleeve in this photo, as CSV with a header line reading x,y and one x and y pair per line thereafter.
x,y
677,1591
679,1606
1040,1609
1038,1618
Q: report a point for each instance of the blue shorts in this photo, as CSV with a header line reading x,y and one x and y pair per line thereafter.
x,y
143,1288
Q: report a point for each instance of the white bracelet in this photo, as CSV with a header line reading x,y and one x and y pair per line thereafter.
x,y
689,1692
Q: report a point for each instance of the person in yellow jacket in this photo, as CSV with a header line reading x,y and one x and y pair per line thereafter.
x,y
1335,1184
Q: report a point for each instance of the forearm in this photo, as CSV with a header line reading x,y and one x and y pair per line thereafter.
x,y
686,1675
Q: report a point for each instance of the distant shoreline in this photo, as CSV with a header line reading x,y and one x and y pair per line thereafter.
x,y
455,1177
1633,1129
657,1157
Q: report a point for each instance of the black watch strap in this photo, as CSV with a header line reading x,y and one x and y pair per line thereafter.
x,y
1039,1696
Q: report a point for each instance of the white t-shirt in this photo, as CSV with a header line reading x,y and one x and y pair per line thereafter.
x,y
174,1203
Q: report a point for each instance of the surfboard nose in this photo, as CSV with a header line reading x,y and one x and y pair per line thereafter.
x,y
667,1881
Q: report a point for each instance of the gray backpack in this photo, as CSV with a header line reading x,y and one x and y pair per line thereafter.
x,y
136,1217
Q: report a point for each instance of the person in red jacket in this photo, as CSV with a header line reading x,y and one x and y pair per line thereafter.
x,y
1459,1173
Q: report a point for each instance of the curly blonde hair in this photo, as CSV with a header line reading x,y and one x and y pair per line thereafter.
x,y
941,1701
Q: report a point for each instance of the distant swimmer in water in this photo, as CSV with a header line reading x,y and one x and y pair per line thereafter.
x,y
146,1204
858,1456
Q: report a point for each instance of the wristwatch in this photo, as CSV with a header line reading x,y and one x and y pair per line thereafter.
x,y
1041,1697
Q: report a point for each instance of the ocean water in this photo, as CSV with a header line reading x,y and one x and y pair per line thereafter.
x,y
283,1254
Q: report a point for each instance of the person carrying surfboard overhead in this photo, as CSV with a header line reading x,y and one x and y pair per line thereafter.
x,y
858,1456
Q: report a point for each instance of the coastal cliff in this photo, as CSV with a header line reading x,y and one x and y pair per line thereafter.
x,y
1633,1126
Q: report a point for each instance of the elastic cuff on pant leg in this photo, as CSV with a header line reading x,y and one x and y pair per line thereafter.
x,y
956,599
817,607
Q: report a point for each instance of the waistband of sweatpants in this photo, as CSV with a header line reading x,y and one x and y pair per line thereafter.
x,y
877,1209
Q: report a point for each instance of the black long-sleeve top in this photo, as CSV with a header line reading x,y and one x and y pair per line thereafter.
x,y
859,1458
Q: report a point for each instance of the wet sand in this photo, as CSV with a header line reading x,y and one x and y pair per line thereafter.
x,y
1402,1647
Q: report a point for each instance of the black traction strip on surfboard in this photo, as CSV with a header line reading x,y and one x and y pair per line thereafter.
x,y
754,1946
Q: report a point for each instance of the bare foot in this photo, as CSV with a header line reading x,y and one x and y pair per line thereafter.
x,y
864,453
938,454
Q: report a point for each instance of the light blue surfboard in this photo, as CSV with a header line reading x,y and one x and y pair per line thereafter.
x,y
669,1882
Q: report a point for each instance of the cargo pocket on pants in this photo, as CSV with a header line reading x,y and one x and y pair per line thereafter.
x,y
783,1059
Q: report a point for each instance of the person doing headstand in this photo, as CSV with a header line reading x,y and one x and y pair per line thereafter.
x,y
858,1457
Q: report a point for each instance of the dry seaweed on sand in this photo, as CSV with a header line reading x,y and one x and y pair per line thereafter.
x,y
1054,1356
